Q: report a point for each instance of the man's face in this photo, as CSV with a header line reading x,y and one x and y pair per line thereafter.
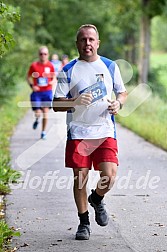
x,y
43,55
87,44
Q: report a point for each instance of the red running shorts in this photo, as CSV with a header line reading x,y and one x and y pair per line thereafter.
x,y
83,153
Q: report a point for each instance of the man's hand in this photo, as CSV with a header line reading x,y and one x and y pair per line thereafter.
x,y
35,88
84,99
52,82
113,107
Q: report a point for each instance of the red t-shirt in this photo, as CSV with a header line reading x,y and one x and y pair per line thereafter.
x,y
42,74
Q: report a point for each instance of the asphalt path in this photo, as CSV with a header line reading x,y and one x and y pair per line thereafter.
x,y
42,207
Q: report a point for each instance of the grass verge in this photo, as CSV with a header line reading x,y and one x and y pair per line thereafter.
x,y
149,121
5,235
10,115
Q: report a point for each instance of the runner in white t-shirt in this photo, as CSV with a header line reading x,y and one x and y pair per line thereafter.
x,y
84,90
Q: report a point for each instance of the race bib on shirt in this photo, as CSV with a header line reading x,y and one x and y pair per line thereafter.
x,y
98,90
42,82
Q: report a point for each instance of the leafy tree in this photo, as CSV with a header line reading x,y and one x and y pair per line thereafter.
x,y
149,9
54,23
158,36
8,16
123,28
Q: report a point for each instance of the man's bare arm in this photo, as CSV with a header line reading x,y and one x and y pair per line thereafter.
x,y
65,104
62,104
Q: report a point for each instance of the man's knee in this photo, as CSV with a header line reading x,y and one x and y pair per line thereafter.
x,y
108,175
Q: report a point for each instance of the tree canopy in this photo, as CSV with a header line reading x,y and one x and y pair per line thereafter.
x,y
54,23
8,16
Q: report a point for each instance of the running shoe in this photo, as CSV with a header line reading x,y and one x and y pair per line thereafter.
x,y
83,232
35,124
43,135
101,216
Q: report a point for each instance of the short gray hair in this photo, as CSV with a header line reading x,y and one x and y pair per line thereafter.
x,y
43,47
87,26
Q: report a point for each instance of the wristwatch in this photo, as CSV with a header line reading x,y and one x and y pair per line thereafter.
x,y
121,105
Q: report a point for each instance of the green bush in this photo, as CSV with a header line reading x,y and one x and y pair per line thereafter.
x,y
7,175
5,234
152,112
155,83
154,80
10,115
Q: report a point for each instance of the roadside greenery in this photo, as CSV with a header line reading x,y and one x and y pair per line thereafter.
x,y
6,234
149,121
8,16
158,76
10,115
159,31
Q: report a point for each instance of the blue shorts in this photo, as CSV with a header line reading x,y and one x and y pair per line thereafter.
x,y
41,99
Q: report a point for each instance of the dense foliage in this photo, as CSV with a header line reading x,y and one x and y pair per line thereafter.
x,y
54,23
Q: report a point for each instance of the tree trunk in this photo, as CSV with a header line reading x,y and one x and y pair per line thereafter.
x,y
144,47
132,49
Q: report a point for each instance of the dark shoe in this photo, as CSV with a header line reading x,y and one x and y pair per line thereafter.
x,y
101,215
43,135
83,232
35,124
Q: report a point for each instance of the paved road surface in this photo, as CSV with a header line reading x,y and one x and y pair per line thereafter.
x,y
42,206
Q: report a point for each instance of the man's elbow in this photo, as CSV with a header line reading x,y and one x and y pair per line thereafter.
x,y
60,109
57,108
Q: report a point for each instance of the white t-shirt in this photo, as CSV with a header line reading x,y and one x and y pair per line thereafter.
x,y
101,78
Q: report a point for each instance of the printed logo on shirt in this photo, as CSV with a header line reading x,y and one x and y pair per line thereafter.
x,y
47,69
100,77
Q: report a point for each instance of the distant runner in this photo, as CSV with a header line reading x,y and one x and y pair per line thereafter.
x,y
41,78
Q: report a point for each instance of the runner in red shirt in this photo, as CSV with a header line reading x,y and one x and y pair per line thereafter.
x,y
41,78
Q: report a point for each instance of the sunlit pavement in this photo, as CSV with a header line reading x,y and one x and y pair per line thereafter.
x,y
42,208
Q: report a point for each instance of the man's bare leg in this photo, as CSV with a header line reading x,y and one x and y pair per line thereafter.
x,y
107,177
45,118
37,116
80,193
80,196
108,172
